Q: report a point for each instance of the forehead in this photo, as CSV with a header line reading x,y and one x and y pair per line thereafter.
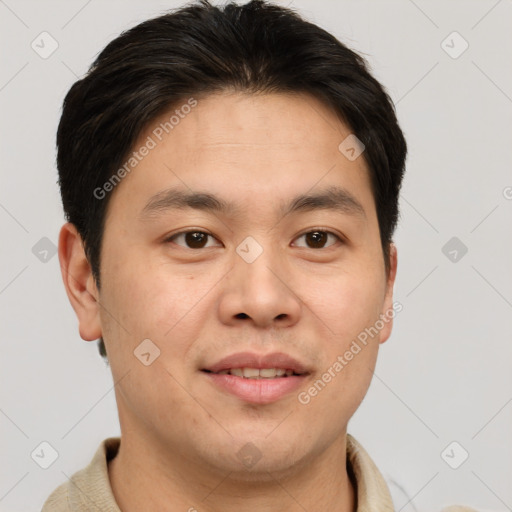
x,y
278,122
247,149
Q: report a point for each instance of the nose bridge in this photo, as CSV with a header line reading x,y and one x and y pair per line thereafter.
x,y
261,272
256,266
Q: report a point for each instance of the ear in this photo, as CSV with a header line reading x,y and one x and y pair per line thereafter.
x,y
388,312
79,282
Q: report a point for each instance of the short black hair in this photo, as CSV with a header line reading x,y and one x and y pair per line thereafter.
x,y
200,49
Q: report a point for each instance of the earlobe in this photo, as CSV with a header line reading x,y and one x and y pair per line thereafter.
x,y
79,282
388,311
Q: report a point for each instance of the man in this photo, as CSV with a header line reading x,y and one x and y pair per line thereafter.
x,y
231,178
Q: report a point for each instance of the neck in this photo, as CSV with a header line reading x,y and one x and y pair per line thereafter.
x,y
148,477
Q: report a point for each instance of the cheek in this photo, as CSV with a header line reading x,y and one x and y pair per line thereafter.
x,y
345,305
151,304
159,302
150,298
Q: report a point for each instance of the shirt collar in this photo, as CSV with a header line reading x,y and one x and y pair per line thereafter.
x,y
90,488
371,489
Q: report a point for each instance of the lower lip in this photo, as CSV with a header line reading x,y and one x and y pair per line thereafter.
x,y
257,391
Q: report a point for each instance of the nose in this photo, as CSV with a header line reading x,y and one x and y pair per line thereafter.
x,y
261,292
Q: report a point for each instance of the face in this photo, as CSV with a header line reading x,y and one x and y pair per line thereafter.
x,y
257,274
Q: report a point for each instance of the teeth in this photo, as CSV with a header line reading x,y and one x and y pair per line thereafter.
x,y
255,373
250,373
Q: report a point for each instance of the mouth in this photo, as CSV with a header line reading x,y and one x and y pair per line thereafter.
x,y
257,373
255,378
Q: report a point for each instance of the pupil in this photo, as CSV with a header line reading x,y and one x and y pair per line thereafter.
x,y
195,239
318,238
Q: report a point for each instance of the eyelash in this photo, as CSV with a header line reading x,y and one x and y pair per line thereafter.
x,y
319,229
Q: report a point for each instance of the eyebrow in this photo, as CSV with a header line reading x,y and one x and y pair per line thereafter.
x,y
332,198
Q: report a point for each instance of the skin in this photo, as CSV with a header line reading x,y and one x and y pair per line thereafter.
x,y
180,434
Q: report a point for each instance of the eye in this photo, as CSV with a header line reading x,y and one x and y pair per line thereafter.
x,y
193,239
318,238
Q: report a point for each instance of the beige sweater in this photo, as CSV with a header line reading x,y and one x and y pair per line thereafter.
x,y
89,489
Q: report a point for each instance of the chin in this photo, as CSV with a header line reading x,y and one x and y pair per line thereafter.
x,y
257,459
264,471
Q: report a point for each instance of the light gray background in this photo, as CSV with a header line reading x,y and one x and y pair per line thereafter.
x,y
444,375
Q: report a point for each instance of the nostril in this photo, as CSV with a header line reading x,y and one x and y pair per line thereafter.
x,y
242,315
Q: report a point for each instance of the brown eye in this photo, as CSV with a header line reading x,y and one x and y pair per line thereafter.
x,y
317,239
192,239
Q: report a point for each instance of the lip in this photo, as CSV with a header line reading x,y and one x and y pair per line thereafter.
x,y
257,391
251,360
